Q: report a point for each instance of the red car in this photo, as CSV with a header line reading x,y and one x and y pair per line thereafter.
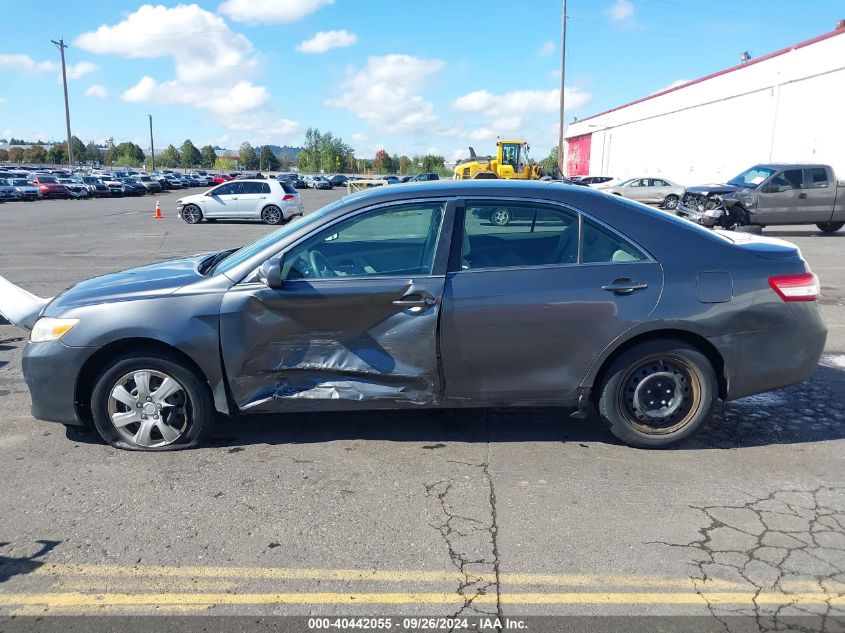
x,y
221,178
50,187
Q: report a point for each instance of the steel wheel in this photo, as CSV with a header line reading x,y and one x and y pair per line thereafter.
x,y
500,217
272,214
149,408
192,214
660,395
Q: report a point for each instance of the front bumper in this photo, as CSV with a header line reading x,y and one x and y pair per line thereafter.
x,y
51,371
696,216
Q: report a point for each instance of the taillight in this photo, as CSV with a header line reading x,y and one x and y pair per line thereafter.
x,y
800,287
288,196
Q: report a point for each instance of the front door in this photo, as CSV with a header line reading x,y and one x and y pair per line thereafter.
x,y
529,306
355,323
222,201
780,198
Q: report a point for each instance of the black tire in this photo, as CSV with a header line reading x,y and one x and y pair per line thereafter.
x,y
501,217
192,214
197,409
734,220
830,227
671,202
653,365
271,214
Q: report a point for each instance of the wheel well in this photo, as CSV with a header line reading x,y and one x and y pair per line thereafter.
x,y
94,365
697,341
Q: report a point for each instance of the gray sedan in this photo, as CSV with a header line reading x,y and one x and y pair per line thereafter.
x,y
406,297
659,191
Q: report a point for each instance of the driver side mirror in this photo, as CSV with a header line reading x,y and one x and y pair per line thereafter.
x,y
270,273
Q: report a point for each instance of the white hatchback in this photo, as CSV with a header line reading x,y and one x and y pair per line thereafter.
x,y
269,200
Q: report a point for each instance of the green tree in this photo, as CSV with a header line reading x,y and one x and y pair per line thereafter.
x,y
267,160
226,164
128,154
169,157
550,162
208,156
111,154
92,153
16,155
56,155
4,155
431,163
189,155
247,156
78,148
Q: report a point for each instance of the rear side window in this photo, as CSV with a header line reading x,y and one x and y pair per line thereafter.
x,y
508,235
602,246
816,177
287,187
251,187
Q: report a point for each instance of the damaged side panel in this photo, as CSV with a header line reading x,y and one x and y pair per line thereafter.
x,y
332,343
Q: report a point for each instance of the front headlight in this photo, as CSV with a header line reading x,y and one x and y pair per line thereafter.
x,y
50,329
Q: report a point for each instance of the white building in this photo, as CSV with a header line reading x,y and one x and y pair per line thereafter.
x,y
788,106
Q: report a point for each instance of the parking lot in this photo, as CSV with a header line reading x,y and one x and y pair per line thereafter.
x,y
508,512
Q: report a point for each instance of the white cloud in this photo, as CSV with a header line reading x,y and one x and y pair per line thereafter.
x,y
270,11
520,101
212,64
546,49
25,64
75,71
384,92
360,138
327,40
674,84
621,11
98,91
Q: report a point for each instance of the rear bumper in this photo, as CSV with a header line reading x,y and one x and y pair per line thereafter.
x,y
51,371
765,360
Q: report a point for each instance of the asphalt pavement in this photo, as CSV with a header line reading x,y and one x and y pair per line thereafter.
x,y
500,512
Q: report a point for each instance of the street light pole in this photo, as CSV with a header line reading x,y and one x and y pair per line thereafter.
x,y
62,46
562,76
152,146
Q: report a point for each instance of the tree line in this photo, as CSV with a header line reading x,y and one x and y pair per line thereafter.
x,y
322,152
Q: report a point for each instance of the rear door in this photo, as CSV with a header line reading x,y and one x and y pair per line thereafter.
x,y
529,306
251,198
222,201
820,188
355,323
637,190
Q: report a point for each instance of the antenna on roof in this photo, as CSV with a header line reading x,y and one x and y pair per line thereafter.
x,y
744,57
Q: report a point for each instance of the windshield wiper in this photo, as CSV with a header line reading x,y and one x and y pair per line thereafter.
x,y
209,264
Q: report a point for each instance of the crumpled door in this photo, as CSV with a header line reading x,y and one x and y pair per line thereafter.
x,y
333,343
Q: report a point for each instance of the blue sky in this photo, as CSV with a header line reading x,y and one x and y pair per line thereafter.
x,y
409,77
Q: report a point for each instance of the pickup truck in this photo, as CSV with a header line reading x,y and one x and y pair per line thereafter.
x,y
769,194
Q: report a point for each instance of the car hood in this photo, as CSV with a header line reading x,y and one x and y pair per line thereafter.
x,y
707,189
145,282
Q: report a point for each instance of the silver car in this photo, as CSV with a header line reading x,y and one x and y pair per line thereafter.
x,y
659,191
271,201
24,189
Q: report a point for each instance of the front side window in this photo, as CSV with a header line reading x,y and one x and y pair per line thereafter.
x,y
507,235
790,179
397,240
510,154
227,189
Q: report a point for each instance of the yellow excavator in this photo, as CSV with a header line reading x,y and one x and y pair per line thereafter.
x,y
511,161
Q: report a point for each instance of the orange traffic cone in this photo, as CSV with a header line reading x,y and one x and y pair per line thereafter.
x,y
158,211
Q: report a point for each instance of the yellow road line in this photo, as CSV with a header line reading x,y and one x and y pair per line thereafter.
x,y
80,600
279,573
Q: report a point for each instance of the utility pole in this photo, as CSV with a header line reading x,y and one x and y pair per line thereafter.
x,y
62,46
562,76
152,146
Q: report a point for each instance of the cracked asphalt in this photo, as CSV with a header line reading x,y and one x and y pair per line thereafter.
x,y
484,512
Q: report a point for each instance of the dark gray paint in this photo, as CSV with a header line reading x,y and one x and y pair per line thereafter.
x,y
538,335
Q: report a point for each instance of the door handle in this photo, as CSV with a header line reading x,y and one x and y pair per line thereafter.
x,y
624,286
802,196
415,300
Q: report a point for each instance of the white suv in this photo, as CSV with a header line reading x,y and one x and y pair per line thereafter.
x,y
269,200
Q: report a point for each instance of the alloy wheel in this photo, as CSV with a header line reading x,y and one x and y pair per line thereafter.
x,y
149,408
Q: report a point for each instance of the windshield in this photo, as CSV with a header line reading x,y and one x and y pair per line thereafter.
x,y
47,179
752,178
20,183
243,254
